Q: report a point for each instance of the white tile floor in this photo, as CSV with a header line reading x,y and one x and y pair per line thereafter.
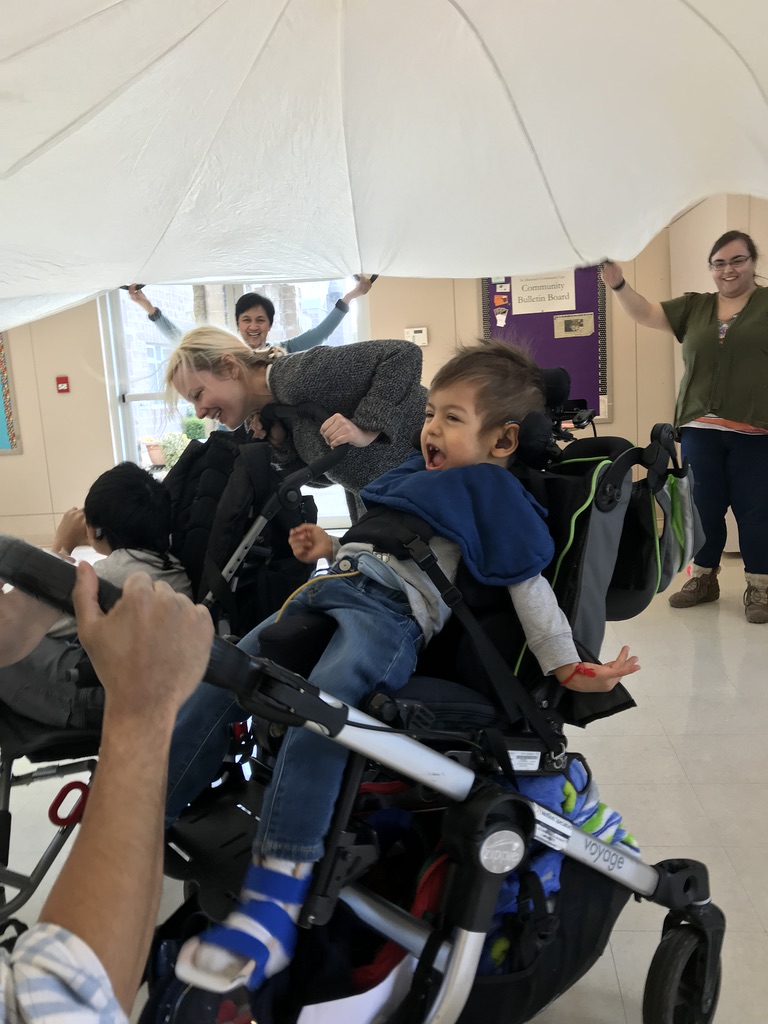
x,y
687,769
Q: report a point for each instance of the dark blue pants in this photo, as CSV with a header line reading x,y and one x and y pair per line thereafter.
x,y
730,469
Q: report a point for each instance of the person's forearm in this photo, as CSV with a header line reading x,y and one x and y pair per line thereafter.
x,y
62,544
24,621
317,335
643,312
146,305
633,304
167,327
544,623
109,888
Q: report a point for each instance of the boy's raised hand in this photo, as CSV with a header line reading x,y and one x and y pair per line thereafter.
x,y
587,677
310,542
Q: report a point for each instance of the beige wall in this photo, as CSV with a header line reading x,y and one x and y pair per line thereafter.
x,y
66,438
449,309
640,361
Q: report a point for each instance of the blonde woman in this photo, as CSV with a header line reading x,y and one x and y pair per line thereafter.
x,y
372,391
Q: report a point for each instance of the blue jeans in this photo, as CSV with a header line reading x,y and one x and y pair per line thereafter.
x,y
730,469
375,647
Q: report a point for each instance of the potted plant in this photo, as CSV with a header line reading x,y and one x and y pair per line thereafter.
x,y
172,445
154,450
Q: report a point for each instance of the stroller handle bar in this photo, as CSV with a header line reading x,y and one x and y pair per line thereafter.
x,y
288,494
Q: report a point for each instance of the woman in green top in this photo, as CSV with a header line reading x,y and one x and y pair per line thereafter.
x,y
722,410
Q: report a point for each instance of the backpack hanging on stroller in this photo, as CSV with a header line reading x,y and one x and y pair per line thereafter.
x,y
218,488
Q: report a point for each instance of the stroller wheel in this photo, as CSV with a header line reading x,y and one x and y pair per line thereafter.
x,y
676,980
191,888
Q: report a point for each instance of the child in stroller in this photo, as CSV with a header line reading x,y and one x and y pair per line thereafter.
x,y
126,517
385,610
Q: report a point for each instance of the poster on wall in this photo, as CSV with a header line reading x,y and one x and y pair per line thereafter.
x,y
10,443
560,318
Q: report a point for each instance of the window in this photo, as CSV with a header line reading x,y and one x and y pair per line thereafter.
x,y
151,435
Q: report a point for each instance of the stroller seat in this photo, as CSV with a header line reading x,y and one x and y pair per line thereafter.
x,y
23,737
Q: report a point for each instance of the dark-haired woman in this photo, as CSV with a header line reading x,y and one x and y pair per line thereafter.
x,y
722,410
254,316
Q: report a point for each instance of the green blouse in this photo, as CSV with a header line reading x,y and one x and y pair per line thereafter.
x,y
729,380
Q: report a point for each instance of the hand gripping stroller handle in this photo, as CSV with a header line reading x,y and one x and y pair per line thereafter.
x,y
50,579
307,411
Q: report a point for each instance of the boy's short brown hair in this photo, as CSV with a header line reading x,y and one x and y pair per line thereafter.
x,y
509,383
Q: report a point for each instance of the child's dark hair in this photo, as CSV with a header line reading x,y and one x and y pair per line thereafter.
x,y
509,383
131,509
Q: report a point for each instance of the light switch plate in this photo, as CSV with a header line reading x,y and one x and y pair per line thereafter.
x,y
418,335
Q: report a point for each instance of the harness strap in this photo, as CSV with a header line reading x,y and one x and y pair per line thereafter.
x,y
406,536
510,693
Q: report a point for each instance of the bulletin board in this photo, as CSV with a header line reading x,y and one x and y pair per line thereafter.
x,y
10,443
559,318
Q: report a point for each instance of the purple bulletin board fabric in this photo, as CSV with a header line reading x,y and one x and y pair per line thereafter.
x,y
583,357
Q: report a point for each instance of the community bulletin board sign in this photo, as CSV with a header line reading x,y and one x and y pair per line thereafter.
x,y
10,443
560,319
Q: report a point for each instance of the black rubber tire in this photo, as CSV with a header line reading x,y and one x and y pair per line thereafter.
x,y
674,980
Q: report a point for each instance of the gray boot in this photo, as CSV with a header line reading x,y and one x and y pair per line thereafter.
x,y
701,588
756,597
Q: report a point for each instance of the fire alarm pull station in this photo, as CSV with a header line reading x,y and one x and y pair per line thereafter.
x,y
62,385
418,335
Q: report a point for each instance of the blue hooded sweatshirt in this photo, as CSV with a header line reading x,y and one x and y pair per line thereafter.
x,y
484,509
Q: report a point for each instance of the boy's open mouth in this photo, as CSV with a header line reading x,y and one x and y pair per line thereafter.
x,y
435,458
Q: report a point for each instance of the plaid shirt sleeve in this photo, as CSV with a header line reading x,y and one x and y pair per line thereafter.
x,y
53,977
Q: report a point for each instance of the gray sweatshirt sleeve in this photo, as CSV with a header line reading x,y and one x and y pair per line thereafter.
x,y
318,334
165,326
546,628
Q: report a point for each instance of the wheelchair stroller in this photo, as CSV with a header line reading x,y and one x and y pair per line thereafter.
x,y
488,829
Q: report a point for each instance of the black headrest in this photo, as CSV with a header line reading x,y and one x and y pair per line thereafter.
x,y
557,386
536,447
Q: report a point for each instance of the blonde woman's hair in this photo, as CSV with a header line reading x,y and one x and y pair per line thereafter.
x,y
204,348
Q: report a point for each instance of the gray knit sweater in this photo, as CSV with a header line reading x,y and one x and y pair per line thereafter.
x,y
376,384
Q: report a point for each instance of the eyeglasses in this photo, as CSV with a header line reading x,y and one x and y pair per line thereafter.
x,y
736,263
